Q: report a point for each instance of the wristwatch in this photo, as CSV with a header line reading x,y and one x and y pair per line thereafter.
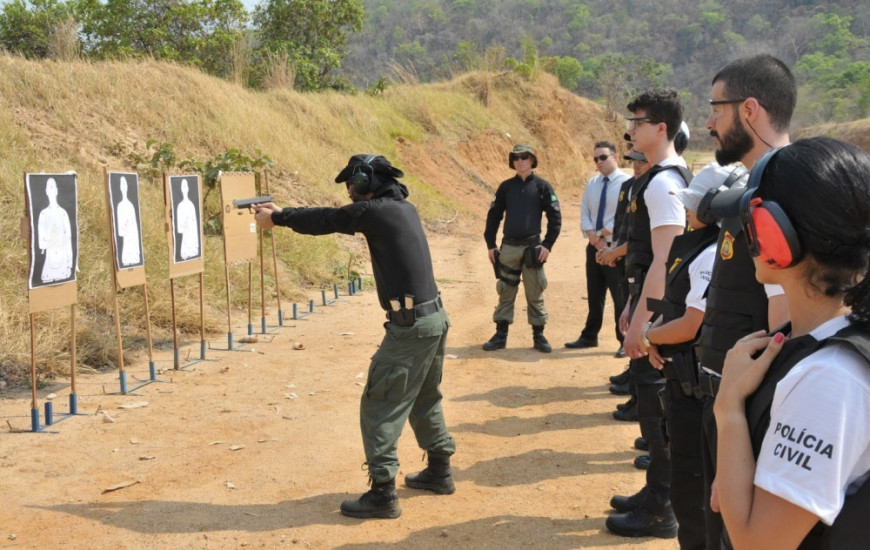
x,y
647,344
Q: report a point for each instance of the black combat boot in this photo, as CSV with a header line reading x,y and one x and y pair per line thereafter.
x,y
644,521
499,339
540,340
627,412
622,503
621,378
381,501
437,477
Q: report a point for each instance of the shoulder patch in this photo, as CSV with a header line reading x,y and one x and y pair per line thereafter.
x,y
726,251
553,197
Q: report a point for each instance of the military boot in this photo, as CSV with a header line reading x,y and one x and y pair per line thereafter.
x,y
644,521
541,343
381,501
499,339
437,477
622,503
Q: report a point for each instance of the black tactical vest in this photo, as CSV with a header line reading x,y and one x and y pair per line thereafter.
x,y
640,252
736,302
684,250
620,218
851,529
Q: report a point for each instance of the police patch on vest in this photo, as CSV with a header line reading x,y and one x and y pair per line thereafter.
x,y
621,196
675,264
634,204
727,248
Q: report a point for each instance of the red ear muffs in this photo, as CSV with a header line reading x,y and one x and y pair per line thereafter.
x,y
769,233
773,238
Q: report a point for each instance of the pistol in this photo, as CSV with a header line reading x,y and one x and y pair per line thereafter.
x,y
247,203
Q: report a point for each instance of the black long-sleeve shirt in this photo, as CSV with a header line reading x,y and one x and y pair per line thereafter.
x,y
397,244
521,204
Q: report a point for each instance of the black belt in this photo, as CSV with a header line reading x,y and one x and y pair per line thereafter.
x,y
525,241
428,308
401,317
709,383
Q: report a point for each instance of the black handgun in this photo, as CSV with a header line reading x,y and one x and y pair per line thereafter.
x,y
247,203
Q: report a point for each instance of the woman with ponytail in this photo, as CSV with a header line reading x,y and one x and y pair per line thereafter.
x,y
793,408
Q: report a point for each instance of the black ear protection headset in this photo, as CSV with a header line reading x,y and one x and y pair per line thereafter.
x,y
361,179
769,233
705,213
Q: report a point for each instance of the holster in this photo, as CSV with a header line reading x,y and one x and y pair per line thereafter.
x,y
663,399
496,265
686,369
530,257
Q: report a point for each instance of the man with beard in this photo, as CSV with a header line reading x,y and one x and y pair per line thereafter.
x,y
751,106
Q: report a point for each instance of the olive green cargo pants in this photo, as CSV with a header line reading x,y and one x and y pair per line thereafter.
x,y
404,384
534,283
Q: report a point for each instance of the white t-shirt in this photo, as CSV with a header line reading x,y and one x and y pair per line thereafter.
x,y
773,290
700,273
663,205
817,448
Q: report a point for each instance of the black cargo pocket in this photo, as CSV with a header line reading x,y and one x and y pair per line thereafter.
x,y
387,382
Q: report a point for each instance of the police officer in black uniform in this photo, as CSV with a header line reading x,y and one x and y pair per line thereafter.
x,y
752,102
405,373
655,121
671,338
521,200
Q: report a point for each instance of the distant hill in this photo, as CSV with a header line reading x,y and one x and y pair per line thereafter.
x,y
828,43
450,138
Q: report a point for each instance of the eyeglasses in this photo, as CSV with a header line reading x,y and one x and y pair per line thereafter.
x,y
631,123
601,158
715,105
524,156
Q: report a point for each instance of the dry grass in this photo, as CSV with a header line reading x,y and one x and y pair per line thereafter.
x,y
449,139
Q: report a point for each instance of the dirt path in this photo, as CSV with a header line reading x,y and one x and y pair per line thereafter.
x,y
538,458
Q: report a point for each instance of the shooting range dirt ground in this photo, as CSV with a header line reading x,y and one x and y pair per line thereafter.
x,y
257,448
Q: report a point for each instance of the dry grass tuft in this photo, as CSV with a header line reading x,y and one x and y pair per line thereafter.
x,y
450,139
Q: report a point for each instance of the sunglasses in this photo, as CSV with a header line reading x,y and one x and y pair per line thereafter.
x,y
524,156
601,158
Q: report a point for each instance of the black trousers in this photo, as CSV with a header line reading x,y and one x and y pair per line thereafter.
x,y
651,418
600,279
712,521
687,492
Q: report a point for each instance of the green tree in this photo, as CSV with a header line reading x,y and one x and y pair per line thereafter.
x,y
568,69
201,32
616,78
312,32
27,27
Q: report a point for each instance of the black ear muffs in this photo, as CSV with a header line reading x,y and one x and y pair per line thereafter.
x,y
706,213
770,235
361,179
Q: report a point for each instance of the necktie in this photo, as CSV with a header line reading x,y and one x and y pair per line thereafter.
x,y
602,204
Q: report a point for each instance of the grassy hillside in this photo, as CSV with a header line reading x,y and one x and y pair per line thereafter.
x,y
451,139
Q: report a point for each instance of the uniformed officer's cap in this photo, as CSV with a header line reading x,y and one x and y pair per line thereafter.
x,y
520,150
